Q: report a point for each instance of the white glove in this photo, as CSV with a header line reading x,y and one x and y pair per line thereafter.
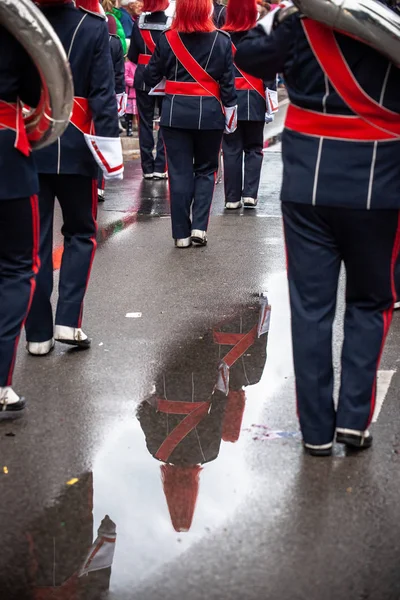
x,y
230,118
122,99
107,152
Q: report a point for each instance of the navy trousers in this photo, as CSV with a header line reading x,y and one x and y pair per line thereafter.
x,y
248,141
77,195
100,180
318,240
146,106
192,156
19,263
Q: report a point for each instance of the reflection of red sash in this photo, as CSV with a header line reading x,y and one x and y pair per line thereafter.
x,y
241,342
144,59
247,81
11,118
206,85
194,411
81,116
371,121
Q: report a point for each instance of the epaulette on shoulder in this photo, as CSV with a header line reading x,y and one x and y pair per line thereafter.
x,y
224,32
94,14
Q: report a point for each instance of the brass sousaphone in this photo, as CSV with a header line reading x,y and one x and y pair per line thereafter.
x,y
30,27
369,21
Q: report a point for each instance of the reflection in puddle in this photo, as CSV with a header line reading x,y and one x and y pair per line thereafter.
x,y
178,472
59,559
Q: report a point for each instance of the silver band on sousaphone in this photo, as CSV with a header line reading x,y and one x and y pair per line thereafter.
x,y
369,21
30,27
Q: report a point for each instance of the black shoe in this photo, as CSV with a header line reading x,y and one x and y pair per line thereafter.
x,y
324,450
354,439
72,337
20,405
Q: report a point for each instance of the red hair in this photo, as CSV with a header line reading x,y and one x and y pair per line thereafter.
x,y
92,5
241,15
155,5
181,488
193,16
233,417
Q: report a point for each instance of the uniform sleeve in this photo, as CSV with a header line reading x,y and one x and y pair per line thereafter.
x,y
221,18
155,70
134,50
119,69
102,99
227,81
264,55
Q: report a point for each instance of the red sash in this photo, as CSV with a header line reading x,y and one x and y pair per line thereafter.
x,y
373,120
81,116
195,411
148,40
207,84
11,118
248,82
241,342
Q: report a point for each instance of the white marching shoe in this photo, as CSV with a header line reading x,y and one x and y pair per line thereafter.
x,y
233,205
10,401
183,242
160,175
72,336
199,237
250,202
148,175
40,348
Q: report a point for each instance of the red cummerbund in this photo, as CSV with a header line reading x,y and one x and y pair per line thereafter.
x,y
338,127
144,59
189,88
8,115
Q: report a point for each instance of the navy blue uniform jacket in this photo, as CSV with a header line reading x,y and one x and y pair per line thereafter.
x,y
18,79
251,106
156,19
117,56
219,14
86,41
318,170
213,51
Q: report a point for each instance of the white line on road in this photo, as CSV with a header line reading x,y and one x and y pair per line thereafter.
x,y
384,381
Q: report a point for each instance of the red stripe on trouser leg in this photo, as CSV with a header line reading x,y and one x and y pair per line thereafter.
x,y
94,242
35,268
386,315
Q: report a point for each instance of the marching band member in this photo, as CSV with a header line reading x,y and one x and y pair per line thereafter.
x,y
145,35
117,57
340,204
219,14
200,100
68,171
19,210
249,136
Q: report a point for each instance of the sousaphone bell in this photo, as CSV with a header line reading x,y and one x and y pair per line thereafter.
x,y
31,28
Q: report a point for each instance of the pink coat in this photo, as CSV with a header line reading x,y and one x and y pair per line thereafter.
x,y
130,69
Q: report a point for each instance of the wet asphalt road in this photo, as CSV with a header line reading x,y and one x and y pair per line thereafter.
x,y
263,521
